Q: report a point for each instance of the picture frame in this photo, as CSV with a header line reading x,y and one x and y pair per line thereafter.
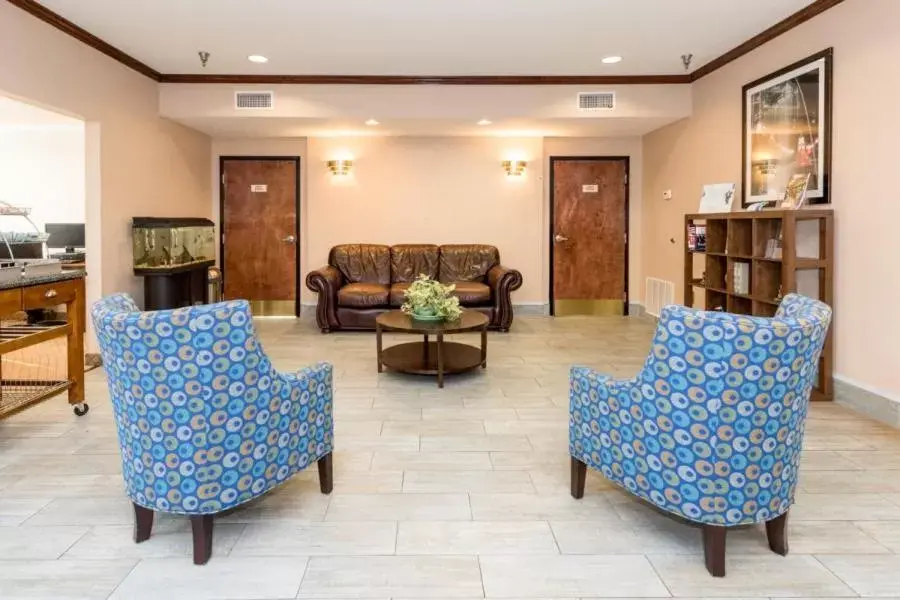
x,y
786,130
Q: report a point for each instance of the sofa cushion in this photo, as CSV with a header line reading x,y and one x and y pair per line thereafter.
x,y
466,262
397,291
363,295
362,263
471,293
408,261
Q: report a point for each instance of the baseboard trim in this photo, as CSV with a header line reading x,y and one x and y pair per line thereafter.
x,y
875,403
307,309
543,308
636,310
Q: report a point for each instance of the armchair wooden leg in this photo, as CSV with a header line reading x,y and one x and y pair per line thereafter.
x,y
776,531
143,523
202,526
714,549
579,475
326,474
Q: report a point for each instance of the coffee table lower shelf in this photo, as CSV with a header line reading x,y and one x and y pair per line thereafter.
x,y
421,358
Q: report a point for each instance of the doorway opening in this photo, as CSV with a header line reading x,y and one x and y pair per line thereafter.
x,y
259,235
42,181
588,235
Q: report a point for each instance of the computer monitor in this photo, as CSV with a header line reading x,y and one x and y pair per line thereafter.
x,y
65,235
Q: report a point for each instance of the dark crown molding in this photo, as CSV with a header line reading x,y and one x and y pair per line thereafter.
x,y
801,16
431,80
795,20
51,18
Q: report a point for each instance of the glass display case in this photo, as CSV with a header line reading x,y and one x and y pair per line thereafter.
x,y
168,245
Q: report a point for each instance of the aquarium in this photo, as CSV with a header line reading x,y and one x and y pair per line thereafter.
x,y
172,244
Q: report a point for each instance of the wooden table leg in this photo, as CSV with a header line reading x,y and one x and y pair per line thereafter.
x,y
425,353
440,359
378,345
484,347
75,312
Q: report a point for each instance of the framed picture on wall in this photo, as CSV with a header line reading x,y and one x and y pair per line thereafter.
x,y
787,130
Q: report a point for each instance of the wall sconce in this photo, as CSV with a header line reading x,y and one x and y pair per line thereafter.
x,y
514,167
340,167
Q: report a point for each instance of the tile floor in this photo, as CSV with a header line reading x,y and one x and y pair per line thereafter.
x,y
454,493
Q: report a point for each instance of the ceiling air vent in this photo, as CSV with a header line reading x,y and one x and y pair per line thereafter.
x,y
596,100
254,100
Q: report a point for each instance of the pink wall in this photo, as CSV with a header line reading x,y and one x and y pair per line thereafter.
x,y
401,187
345,107
139,163
706,148
433,190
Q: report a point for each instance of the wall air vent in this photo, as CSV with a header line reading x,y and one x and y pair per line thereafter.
x,y
254,100
596,100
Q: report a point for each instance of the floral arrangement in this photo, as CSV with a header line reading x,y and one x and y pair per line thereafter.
x,y
428,298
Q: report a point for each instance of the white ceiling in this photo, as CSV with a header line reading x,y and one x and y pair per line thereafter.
x,y
425,37
249,127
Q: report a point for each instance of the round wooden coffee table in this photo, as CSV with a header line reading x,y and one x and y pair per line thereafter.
x,y
427,357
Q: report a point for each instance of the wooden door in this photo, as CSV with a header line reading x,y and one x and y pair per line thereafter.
x,y
588,236
260,246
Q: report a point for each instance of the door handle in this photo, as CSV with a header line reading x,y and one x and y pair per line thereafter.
x,y
559,238
289,239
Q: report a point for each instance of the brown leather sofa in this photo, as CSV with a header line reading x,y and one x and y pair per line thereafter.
x,y
362,281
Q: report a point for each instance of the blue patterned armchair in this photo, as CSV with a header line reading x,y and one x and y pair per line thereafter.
x,y
711,428
205,422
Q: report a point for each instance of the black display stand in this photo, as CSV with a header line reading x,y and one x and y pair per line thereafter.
x,y
176,287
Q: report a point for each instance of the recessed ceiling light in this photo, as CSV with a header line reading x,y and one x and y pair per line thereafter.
x,y
611,60
371,122
484,122
257,58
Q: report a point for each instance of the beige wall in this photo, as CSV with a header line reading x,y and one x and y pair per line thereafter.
x,y
322,110
437,190
706,148
401,186
147,165
626,146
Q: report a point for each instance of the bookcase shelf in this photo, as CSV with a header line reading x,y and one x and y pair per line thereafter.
x,y
767,242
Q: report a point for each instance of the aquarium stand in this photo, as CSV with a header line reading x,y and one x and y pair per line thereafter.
x,y
176,287
173,255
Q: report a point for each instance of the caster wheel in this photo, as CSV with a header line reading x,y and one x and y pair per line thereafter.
x,y
81,409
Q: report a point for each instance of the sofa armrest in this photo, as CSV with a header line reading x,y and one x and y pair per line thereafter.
x,y
326,282
503,282
324,276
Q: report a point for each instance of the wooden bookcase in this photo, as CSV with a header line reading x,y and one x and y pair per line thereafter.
x,y
805,265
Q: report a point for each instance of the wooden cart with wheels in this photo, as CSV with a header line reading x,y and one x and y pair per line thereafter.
x,y
28,351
